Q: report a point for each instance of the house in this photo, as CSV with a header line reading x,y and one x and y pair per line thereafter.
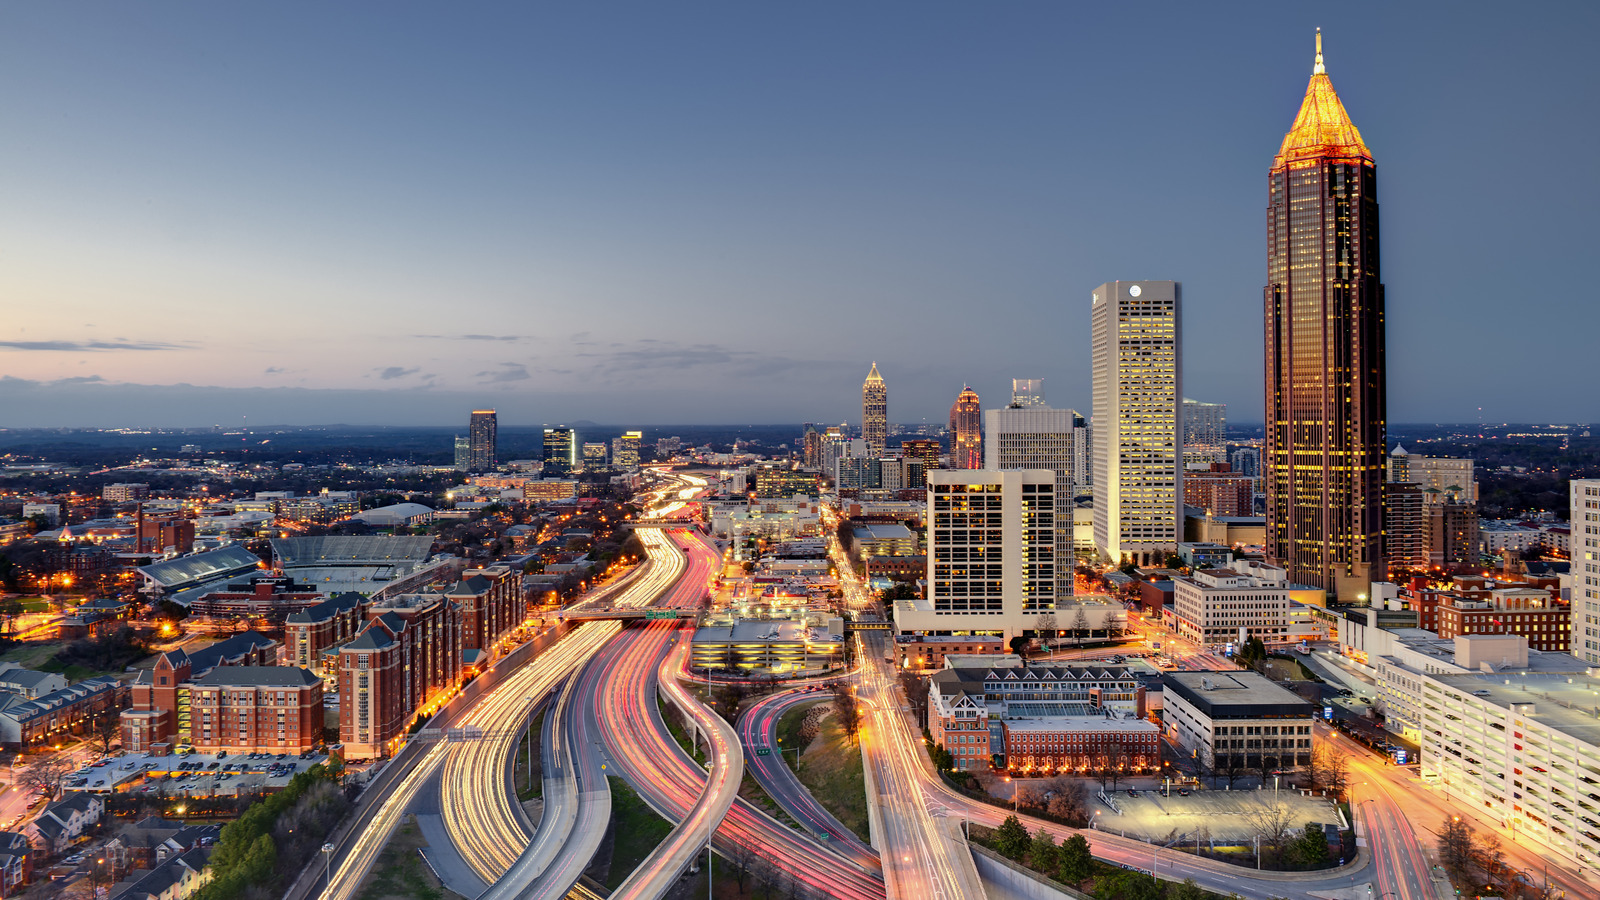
x,y
176,878
16,862
153,840
33,685
53,716
64,822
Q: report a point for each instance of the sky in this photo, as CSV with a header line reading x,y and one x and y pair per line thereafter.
x,y
647,213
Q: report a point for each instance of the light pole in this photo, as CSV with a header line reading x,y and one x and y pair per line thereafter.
x,y
327,864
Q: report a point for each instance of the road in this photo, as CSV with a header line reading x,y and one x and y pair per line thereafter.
x,y
758,730
621,708
659,872
924,855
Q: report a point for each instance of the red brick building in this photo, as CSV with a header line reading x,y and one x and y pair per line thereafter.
x,y
407,657
1220,491
159,713
309,632
269,597
1531,612
255,709
491,605
1082,744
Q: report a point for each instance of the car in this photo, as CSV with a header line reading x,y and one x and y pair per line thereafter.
x,y
1183,792
1132,792
279,756
222,754
213,765
73,860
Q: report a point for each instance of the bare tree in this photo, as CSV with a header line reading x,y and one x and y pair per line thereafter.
x,y
844,707
1080,625
1272,825
1044,628
1329,769
1116,624
45,774
104,728
1455,848
1116,758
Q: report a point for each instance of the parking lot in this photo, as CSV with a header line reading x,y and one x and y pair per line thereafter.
x,y
1224,816
195,775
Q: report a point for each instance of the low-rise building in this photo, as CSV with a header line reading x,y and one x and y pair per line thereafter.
x,y
925,652
28,683
1238,720
16,862
1530,612
65,822
255,709
1217,607
59,714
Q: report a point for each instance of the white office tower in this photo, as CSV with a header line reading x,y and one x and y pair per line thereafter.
x,y
1138,419
1205,433
1038,437
1027,392
1585,507
991,553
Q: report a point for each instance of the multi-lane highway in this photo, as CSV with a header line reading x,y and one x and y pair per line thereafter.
x,y
924,855
758,730
622,709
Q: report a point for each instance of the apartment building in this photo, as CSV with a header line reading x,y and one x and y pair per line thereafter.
x,y
1585,542
406,658
1218,607
255,709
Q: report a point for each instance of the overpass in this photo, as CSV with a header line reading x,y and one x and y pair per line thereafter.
x,y
619,614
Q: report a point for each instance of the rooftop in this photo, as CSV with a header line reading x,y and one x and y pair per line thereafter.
x,y
1236,694
1322,129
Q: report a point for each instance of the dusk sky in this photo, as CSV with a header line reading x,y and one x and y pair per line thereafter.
x,y
643,213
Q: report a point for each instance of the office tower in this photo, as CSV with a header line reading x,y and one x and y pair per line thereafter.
x,y
1138,478
875,412
1027,392
1205,433
1246,461
1037,437
966,431
1405,528
668,447
811,446
463,460
481,431
625,449
594,456
1325,391
926,452
560,452
1584,494
991,553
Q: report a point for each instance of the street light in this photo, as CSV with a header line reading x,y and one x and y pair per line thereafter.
x,y
327,862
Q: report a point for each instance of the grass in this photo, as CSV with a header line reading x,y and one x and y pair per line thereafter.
x,y
670,715
400,874
31,654
636,829
831,770
529,787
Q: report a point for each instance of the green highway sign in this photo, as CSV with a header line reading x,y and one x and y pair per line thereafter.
x,y
660,614
763,751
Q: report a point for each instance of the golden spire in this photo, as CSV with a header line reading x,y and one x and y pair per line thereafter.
x,y
1322,129
873,375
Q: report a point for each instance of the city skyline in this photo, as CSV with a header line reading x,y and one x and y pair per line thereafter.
x,y
154,210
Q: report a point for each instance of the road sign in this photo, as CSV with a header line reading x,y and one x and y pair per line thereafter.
x,y
763,751
660,614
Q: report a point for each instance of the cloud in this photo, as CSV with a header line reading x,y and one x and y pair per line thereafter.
x,y
88,346
393,372
508,373
648,353
272,370
471,337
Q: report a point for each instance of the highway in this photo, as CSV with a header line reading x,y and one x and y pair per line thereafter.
x,y
638,745
658,873
758,729
924,856
490,834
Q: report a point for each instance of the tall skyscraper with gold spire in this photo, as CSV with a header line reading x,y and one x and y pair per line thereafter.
x,y
875,413
1325,382
966,431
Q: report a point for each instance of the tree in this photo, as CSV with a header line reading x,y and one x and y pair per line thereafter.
x,y
1116,758
10,608
1310,848
942,760
1069,801
1080,625
844,707
1044,855
742,859
1271,827
1487,855
1045,628
45,774
1187,890
1330,769
1018,645
1455,848
1116,623
1076,860
1174,561
729,698
104,729
1011,839
1231,766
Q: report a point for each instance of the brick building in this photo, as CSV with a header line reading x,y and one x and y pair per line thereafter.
x,y
407,657
491,605
1528,611
159,712
269,597
1219,491
251,709
309,633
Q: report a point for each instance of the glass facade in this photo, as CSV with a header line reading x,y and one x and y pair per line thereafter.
x,y
1325,385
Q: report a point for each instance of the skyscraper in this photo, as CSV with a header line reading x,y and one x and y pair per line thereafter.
x,y
1325,384
875,413
811,446
560,452
1205,434
966,431
625,450
1027,392
463,459
1038,437
1138,420
925,451
481,431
